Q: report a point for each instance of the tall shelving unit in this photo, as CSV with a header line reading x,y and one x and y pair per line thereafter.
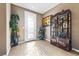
x,y
46,23
61,30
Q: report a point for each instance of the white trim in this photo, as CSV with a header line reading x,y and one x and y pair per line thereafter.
x,y
5,55
8,51
48,40
8,12
26,41
75,49
21,42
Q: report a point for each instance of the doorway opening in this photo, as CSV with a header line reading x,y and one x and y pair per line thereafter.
x,y
30,26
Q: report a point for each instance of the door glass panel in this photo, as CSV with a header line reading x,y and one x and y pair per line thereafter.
x,y
30,26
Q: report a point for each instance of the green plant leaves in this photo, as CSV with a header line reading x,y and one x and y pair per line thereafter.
x,y
14,22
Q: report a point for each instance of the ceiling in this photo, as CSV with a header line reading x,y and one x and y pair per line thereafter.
x,y
37,7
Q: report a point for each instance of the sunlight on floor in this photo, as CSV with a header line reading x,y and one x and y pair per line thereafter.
x,y
30,47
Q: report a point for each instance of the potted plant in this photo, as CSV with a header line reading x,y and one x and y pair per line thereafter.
x,y
14,29
42,33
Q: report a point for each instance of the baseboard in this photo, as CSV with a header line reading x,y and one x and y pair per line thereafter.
x,y
21,42
26,41
75,49
8,52
4,55
47,40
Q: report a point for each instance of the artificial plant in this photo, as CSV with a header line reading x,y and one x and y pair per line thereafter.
x,y
42,33
14,29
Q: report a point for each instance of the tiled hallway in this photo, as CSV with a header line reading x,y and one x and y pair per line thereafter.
x,y
38,48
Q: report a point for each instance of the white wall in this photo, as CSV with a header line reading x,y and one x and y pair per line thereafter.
x,y
2,28
47,33
8,11
39,24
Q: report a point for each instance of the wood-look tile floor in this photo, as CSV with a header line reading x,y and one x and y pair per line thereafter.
x,y
38,48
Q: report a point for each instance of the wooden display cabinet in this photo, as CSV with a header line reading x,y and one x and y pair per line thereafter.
x,y
61,30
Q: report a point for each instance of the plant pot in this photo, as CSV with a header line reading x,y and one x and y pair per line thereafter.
x,y
14,39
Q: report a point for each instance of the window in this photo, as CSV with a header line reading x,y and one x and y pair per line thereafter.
x,y
30,26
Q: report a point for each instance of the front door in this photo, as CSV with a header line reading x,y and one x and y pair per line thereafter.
x,y
30,26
